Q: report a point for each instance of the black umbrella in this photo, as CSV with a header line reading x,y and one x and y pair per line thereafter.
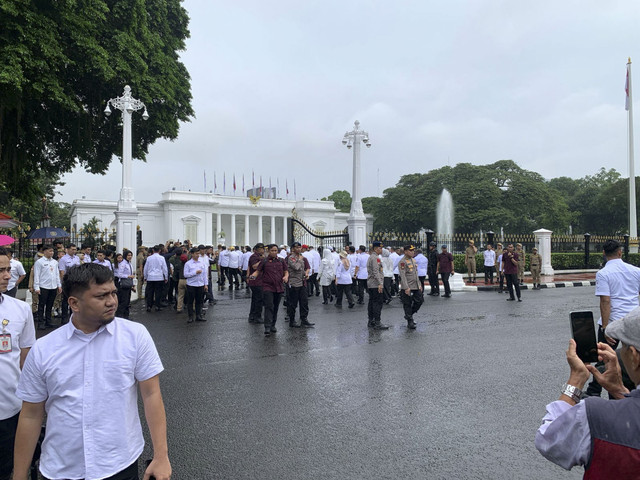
x,y
48,232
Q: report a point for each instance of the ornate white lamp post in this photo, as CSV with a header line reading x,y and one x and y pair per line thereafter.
x,y
127,212
357,222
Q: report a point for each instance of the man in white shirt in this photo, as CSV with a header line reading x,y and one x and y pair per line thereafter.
x,y
235,257
489,264
156,275
85,376
86,249
101,260
46,284
283,251
617,285
16,338
197,285
223,266
70,259
361,273
17,274
245,265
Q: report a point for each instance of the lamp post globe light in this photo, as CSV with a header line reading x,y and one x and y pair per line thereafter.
x,y
127,212
357,222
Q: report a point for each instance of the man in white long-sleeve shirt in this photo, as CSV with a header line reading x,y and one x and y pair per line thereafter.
x,y
197,285
156,275
46,283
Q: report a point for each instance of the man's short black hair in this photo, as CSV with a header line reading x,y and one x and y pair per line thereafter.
x,y
4,251
271,245
79,278
156,248
46,247
72,245
102,252
352,249
610,247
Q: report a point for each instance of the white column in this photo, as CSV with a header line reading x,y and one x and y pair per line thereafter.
x,y
218,227
273,229
246,230
543,241
260,239
233,229
284,230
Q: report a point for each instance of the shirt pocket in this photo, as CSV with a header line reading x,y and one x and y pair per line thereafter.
x,y
117,375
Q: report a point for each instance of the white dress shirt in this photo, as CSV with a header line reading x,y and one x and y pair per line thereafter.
x,y
234,259
155,268
105,263
67,261
223,258
621,282
23,335
88,384
46,274
195,279
489,258
124,269
422,263
16,271
245,259
361,263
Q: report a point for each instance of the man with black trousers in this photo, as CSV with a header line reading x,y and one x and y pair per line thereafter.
x,y
432,269
197,285
156,275
255,284
510,268
298,268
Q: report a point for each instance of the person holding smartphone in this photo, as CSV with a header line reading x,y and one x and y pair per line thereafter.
x,y
617,285
601,435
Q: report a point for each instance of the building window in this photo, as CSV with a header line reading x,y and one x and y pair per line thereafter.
x,y
191,232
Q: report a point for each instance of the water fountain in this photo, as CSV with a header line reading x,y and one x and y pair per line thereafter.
x,y
445,216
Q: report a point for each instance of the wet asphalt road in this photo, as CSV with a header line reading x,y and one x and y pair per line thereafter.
x,y
461,397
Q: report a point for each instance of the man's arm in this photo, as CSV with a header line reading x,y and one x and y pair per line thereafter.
x,y
605,310
29,426
156,417
23,355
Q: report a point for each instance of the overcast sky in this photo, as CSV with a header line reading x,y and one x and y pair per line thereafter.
x,y
276,84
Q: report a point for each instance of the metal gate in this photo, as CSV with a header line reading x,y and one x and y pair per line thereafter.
x,y
301,232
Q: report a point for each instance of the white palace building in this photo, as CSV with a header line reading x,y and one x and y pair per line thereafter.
x,y
211,219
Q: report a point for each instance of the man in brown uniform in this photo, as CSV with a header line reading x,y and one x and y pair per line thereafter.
x,y
375,285
411,287
298,275
470,260
521,261
535,262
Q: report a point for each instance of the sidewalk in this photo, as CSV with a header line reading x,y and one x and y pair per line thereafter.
x,y
560,279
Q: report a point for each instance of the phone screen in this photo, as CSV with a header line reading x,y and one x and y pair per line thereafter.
x,y
584,334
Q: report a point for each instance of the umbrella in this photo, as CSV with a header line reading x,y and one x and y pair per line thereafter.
x,y
48,232
6,240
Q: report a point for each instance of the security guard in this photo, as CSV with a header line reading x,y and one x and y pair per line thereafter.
x,y
470,260
535,263
411,290
521,262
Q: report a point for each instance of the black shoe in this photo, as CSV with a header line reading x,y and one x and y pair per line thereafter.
x,y
371,323
148,309
510,299
267,333
190,320
437,294
273,329
351,305
447,295
519,299
317,294
201,319
158,309
412,325
338,305
324,302
380,326
360,302
294,325
307,324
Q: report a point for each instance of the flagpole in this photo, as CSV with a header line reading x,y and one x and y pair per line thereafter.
x,y
633,219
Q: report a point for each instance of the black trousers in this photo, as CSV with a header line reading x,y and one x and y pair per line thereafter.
x,y
232,275
488,273
500,277
8,429
411,303
445,282
362,286
153,294
298,296
255,312
124,300
512,281
374,308
433,281
344,289
312,284
271,304
326,293
388,287
195,294
129,473
396,283
45,304
65,309
222,275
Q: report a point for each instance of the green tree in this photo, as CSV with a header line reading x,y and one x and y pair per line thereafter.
x,y
341,200
62,60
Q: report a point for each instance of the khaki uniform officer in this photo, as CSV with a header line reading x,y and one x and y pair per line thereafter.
x,y
470,260
411,290
521,262
535,263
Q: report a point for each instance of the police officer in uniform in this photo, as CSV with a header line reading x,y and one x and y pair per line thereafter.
x,y
470,260
411,290
432,269
521,262
375,285
535,263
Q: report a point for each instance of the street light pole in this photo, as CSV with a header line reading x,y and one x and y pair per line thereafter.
x,y
357,222
127,212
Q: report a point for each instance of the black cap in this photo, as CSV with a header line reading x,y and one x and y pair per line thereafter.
x,y
408,247
433,244
377,244
444,246
258,245
296,244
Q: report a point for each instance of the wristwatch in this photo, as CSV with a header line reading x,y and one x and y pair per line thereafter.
x,y
574,393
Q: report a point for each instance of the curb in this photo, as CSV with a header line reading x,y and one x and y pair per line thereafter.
x,y
528,286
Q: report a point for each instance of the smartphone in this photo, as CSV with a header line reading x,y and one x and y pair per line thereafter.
x,y
584,334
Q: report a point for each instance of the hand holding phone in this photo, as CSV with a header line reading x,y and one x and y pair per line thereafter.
x,y
584,334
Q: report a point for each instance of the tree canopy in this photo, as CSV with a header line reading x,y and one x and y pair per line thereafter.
x,y
341,200
63,60
502,194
